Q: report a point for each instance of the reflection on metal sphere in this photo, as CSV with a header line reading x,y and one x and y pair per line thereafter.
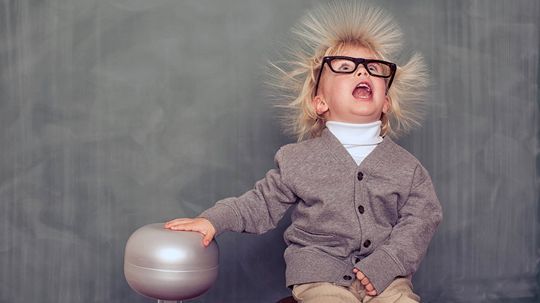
x,y
169,265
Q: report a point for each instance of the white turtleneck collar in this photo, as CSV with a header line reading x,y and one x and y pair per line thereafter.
x,y
358,139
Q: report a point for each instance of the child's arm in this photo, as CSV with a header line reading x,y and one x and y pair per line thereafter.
x,y
257,210
402,252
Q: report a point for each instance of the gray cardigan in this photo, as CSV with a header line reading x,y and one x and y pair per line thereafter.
x,y
378,216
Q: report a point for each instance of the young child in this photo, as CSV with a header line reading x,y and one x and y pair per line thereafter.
x,y
365,209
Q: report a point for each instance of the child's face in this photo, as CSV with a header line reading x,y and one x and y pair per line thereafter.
x,y
345,97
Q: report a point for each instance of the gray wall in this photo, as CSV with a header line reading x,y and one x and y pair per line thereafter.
x,y
116,114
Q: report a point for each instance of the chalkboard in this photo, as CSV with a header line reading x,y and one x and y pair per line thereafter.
x,y
117,114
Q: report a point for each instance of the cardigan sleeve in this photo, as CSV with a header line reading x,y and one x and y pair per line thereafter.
x,y
257,210
403,251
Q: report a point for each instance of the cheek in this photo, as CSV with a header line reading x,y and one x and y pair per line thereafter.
x,y
334,89
380,84
345,86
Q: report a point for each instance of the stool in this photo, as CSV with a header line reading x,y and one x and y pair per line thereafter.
x,y
287,300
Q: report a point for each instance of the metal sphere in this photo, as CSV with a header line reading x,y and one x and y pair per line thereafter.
x,y
169,265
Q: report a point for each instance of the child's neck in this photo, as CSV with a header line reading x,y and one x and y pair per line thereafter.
x,y
358,139
356,134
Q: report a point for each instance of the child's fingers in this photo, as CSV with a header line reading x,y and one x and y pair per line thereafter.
x,y
360,275
370,290
365,281
369,287
207,238
174,222
202,226
371,293
182,224
187,226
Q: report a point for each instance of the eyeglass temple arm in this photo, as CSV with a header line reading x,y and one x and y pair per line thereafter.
x,y
319,78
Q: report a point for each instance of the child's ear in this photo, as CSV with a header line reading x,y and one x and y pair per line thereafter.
x,y
319,105
386,105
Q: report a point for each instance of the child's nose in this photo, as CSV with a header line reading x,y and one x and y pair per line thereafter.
x,y
361,69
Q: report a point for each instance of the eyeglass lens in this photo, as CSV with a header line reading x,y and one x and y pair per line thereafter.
x,y
341,65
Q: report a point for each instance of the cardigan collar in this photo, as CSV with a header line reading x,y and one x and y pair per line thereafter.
x,y
370,163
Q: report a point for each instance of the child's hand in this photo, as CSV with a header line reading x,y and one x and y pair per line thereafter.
x,y
201,225
370,290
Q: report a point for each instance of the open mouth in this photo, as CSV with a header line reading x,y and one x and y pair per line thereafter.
x,y
362,91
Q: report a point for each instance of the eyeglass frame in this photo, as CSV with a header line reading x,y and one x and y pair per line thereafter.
x,y
357,61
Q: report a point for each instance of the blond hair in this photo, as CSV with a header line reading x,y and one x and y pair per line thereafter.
x,y
326,30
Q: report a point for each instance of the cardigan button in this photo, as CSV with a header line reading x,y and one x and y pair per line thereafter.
x,y
367,243
361,209
347,277
360,176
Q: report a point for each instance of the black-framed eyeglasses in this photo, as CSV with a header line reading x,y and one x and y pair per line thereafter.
x,y
348,65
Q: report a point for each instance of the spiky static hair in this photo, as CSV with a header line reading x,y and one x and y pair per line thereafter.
x,y
326,30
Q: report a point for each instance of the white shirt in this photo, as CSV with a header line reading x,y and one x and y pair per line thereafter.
x,y
358,139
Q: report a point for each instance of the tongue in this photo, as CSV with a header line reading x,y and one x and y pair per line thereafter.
x,y
361,92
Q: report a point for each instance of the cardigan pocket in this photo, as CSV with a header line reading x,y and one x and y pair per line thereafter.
x,y
301,236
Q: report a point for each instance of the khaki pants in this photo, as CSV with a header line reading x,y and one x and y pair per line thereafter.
x,y
399,291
